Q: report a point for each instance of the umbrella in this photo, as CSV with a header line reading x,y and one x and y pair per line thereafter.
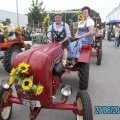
x,y
113,22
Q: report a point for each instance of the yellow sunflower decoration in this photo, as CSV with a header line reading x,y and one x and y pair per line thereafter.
x,y
23,67
12,72
18,77
27,84
81,16
11,80
39,90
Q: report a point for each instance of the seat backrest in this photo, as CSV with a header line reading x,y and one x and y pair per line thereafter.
x,y
86,47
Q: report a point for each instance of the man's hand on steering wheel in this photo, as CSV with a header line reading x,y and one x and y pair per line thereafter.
x,y
61,42
49,41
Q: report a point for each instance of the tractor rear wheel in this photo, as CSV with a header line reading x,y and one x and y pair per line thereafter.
x,y
5,111
83,75
9,57
99,56
100,43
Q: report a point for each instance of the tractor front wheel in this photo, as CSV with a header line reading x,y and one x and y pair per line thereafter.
x,y
9,57
84,104
83,75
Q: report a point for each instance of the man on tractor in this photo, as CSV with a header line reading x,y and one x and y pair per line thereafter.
x,y
84,34
60,32
9,25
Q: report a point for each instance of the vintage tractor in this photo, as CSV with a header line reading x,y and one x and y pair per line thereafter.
x,y
97,42
36,75
11,49
97,46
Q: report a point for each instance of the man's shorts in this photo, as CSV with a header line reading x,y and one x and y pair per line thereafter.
x,y
65,44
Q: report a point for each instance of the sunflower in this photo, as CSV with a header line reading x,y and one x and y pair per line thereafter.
x,y
23,67
12,72
39,90
27,83
11,80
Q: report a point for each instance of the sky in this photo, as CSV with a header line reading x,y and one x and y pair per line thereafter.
x,y
104,7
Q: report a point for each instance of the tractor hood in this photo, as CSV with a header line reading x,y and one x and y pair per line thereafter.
x,y
41,59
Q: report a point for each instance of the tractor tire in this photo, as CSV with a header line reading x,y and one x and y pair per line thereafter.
x,y
9,57
100,43
5,112
99,56
83,75
84,103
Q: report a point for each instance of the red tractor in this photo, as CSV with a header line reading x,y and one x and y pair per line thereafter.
x,y
97,42
36,75
11,49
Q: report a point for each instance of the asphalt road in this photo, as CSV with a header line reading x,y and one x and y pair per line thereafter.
x,y
104,88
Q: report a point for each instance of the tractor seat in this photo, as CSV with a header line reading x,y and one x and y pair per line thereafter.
x,y
86,47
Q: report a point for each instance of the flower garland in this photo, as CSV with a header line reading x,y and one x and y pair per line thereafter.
x,y
80,17
45,24
25,83
1,26
6,31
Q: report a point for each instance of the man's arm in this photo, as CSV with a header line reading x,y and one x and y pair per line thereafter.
x,y
49,34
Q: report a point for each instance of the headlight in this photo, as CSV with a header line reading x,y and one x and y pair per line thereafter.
x,y
66,90
5,84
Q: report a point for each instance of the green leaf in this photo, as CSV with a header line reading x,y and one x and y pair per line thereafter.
x,y
31,77
34,87
17,78
17,71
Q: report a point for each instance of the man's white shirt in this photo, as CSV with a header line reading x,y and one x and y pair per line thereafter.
x,y
59,28
11,27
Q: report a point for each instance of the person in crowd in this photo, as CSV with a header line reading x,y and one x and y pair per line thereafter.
x,y
9,25
118,44
117,33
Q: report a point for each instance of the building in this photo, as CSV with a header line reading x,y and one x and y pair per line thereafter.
x,y
23,19
114,15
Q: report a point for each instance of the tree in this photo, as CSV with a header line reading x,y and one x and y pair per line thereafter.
x,y
37,13
74,16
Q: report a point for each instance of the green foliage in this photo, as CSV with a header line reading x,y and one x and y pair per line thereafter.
x,y
37,12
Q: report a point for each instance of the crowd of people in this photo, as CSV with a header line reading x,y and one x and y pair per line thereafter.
x,y
112,32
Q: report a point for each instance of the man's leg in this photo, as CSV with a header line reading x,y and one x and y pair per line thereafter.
x,y
65,56
118,43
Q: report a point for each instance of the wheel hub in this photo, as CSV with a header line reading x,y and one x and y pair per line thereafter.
x,y
80,107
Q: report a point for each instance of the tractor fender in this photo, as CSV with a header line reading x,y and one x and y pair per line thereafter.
x,y
85,54
10,44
